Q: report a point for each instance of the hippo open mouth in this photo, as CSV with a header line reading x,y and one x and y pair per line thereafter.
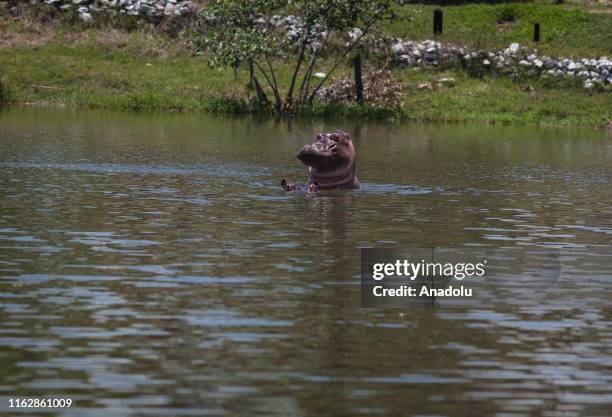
x,y
323,153
331,159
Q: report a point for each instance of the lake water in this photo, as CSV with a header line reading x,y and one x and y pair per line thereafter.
x,y
151,265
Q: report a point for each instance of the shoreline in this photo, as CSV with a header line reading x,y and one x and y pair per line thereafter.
x,y
308,116
53,75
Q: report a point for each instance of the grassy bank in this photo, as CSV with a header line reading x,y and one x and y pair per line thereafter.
x,y
143,70
566,31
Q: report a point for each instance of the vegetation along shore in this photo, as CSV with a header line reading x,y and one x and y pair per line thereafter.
x,y
530,62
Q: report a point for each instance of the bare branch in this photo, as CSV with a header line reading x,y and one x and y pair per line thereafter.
x,y
275,89
297,69
264,74
305,84
261,94
348,49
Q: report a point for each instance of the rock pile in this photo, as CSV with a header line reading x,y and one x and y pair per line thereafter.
x,y
291,24
515,59
150,9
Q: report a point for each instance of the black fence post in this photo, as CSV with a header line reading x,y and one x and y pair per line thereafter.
x,y
437,21
250,73
536,32
358,79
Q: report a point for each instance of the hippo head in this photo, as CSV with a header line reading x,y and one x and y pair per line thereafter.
x,y
331,159
329,150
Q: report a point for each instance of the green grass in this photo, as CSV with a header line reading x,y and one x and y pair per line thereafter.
x,y
88,77
90,74
565,31
501,100
140,70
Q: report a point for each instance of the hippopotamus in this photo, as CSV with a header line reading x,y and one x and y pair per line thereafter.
x,y
331,161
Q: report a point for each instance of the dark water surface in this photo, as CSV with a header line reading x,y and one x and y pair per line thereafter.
x,y
150,265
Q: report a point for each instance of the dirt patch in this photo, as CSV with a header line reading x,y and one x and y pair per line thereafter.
x,y
505,25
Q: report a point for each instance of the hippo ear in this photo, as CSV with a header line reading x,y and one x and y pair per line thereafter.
x,y
284,184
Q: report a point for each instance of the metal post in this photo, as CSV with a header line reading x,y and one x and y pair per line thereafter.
x,y
437,21
536,32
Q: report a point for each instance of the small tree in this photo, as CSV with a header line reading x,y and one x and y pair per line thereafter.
x,y
241,30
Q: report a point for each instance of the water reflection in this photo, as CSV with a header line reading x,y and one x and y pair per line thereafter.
x,y
151,265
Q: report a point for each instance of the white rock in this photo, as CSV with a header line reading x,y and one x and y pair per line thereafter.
x,y
260,21
355,34
486,62
275,20
398,48
86,17
319,74
513,48
406,59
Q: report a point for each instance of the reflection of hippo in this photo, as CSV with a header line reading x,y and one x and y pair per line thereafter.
x,y
331,159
